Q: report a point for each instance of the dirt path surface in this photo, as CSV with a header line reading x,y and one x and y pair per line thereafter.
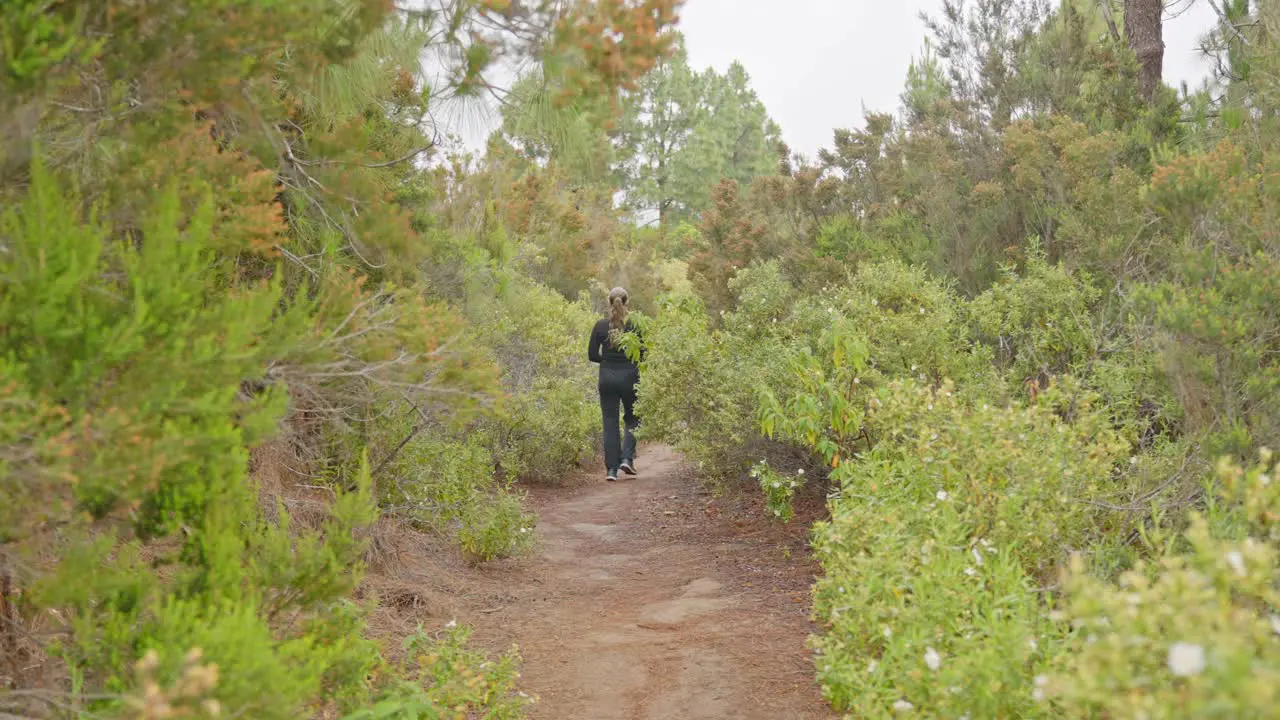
x,y
649,599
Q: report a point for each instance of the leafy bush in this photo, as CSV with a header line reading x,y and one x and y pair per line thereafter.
x,y
923,612
890,238
496,529
448,485
778,489
548,421
159,542
936,544
1194,635
691,393
1039,323
544,431
442,678
1219,337
251,261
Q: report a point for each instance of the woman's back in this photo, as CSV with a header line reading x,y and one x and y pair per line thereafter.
x,y
619,378
602,349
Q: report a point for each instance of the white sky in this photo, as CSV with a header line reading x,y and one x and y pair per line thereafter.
x,y
817,63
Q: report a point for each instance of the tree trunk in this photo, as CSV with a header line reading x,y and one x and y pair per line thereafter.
x,y
8,624
1144,33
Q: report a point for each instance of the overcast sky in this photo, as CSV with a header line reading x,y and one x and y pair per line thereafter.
x,y
817,63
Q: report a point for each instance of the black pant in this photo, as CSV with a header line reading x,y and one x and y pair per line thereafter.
x,y
618,385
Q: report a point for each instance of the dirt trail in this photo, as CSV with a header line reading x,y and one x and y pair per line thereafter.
x,y
648,599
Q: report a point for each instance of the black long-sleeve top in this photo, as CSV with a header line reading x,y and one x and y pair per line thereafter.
x,y
603,351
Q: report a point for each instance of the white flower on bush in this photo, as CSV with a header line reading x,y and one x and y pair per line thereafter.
x,y
970,572
977,556
1186,659
1236,561
871,666
1275,624
932,659
903,706
942,495
800,471
1040,682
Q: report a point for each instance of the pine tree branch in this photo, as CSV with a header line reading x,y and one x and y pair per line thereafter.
x,y
1110,18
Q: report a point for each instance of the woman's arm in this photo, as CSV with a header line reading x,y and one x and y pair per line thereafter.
x,y
593,349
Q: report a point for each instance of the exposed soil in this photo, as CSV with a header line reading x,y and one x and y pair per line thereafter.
x,y
648,598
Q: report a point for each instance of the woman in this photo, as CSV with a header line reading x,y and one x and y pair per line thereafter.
x,y
618,379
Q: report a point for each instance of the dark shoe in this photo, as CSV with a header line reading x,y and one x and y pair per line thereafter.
x,y
628,467
612,476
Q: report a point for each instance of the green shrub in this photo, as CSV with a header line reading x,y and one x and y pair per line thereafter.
x,y
1030,497
936,546
893,237
921,611
448,485
914,323
496,529
1218,334
1040,322
949,513
548,421
692,394
545,430
778,489
160,544
1194,635
437,480
441,678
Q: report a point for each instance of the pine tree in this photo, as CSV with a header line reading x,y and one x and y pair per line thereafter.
x,y
1144,31
657,123
733,139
